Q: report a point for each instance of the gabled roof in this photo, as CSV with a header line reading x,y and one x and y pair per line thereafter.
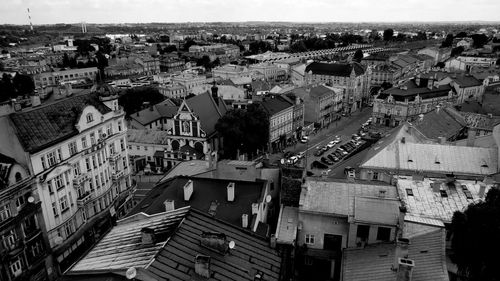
x,y
445,122
206,108
206,193
275,104
335,69
47,125
313,92
465,81
165,109
173,258
411,90
375,262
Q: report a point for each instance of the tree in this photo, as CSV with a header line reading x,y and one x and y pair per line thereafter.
x,y
475,242
133,99
461,34
358,56
245,131
23,84
457,51
388,34
189,42
448,41
65,60
479,40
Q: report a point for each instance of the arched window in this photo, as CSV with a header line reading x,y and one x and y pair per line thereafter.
x,y
90,117
18,177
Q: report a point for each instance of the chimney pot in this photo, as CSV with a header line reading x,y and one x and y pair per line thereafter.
x,y
230,192
405,269
255,208
147,236
244,220
188,190
169,205
202,266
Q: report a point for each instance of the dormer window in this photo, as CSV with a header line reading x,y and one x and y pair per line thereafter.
x,y
90,117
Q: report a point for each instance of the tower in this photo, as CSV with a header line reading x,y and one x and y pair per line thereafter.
x,y
29,19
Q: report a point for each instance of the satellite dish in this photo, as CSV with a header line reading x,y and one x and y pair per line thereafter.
x,y
131,273
232,244
268,198
31,199
58,240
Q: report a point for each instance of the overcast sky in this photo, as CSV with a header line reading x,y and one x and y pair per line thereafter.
x,y
131,11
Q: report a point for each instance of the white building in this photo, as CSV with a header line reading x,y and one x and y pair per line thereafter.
x,y
76,149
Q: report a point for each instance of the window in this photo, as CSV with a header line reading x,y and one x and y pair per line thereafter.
x,y
58,181
4,212
383,234
15,267
90,117
44,165
18,177
310,239
124,159
362,232
94,165
59,155
76,169
64,203
122,144
109,130
84,142
119,126
92,138
112,148
87,164
409,192
375,175
68,228
54,209
51,158
20,201
72,148
97,184
36,249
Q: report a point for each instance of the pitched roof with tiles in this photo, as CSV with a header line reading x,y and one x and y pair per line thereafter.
x,y
337,197
207,194
147,136
412,90
436,158
375,262
47,125
165,109
275,104
445,122
208,110
173,258
335,69
480,121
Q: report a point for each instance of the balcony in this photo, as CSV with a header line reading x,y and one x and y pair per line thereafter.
x,y
84,198
80,179
114,157
117,175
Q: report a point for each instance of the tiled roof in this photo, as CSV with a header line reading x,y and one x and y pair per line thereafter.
x,y
186,168
275,104
165,109
314,92
209,112
173,258
375,262
465,81
444,159
446,122
480,121
412,90
44,126
335,69
147,136
426,203
206,192
122,247
334,196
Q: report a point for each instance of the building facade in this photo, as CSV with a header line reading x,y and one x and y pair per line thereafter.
x,y
54,78
280,112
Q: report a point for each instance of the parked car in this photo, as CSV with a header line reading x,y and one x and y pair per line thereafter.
x,y
338,154
342,151
331,144
318,152
326,160
292,160
288,154
304,139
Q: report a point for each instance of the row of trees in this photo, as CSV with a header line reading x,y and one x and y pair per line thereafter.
x,y
478,40
12,87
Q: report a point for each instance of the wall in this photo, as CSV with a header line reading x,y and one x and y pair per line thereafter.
x,y
318,225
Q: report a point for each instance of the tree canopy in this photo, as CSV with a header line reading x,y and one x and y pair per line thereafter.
x,y
244,130
358,56
20,85
479,40
388,34
448,41
475,242
133,99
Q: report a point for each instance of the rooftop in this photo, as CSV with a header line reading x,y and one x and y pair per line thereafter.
x,y
208,194
338,197
434,199
173,258
410,90
480,121
437,158
44,126
445,122
275,104
164,109
335,69
186,168
147,136
208,110
286,231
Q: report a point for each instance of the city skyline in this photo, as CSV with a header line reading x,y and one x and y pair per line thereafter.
x,y
177,11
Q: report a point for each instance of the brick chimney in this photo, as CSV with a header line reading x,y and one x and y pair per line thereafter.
x,y
147,236
244,220
202,266
215,241
405,269
230,192
188,190
169,205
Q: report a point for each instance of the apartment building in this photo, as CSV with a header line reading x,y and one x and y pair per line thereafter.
x,y
45,79
76,149
280,113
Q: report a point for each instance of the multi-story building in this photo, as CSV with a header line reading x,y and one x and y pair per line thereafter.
x,y
24,248
173,91
231,71
466,86
270,71
77,151
438,54
171,64
189,81
55,77
384,73
225,52
353,78
407,102
469,62
280,113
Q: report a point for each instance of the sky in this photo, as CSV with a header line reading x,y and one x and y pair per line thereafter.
x,y
144,11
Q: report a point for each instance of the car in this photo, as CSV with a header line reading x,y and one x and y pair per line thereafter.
x,y
292,160
331,144
337,139
338,154
301,155
342,151
332,156
362,134
304,139
326,161
318,152
325,148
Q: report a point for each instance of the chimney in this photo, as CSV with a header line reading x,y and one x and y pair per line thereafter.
x,y
255,208
230,192
482,190
147,236
215,241
405,269
35,100
202,266
169,205
188,190
244,220
401,250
